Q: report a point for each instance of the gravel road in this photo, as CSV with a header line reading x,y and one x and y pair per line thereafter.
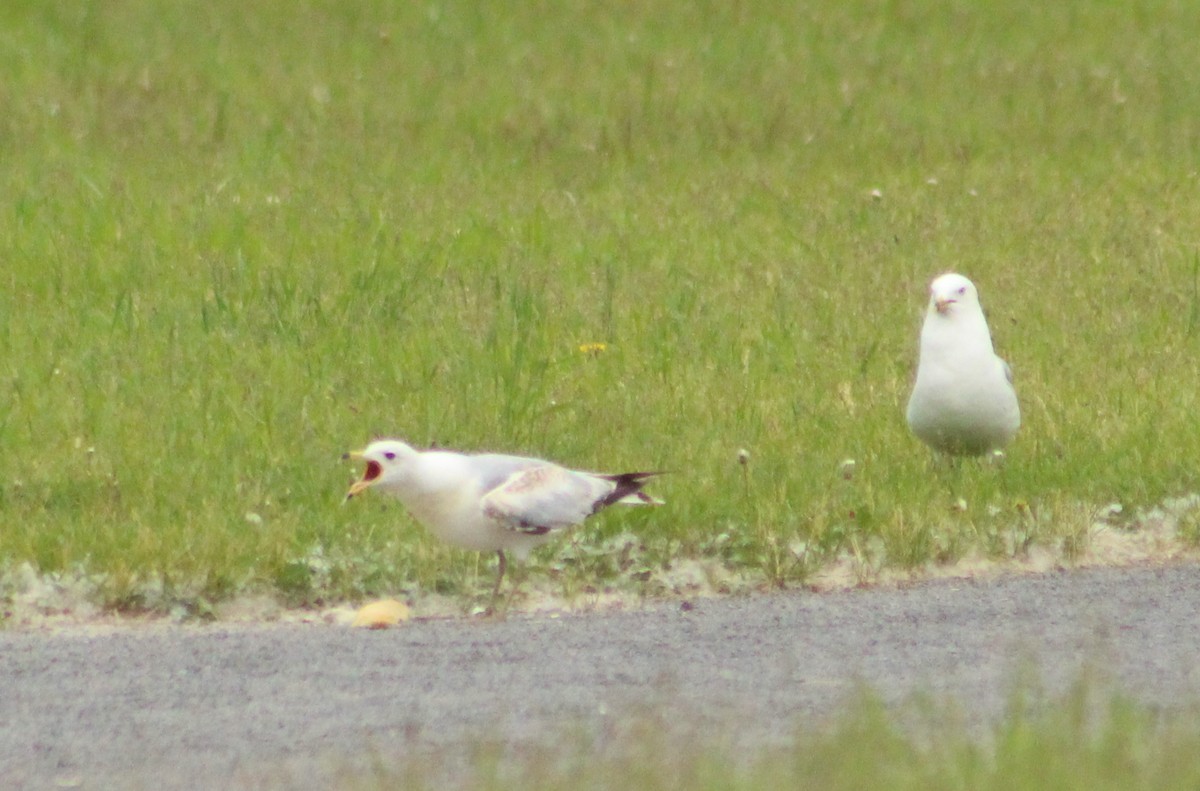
x,y
294,705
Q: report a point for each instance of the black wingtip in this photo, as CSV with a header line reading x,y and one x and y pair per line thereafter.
x,y
628,484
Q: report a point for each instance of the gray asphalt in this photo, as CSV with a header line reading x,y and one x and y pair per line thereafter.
x,y
300,705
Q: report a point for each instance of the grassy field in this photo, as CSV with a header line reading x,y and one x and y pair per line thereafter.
x,y
240,240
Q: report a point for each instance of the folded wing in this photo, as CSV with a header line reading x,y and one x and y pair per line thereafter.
x,y
548,497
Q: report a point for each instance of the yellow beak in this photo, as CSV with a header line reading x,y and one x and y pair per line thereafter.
x,y
358,487
361,485
942,305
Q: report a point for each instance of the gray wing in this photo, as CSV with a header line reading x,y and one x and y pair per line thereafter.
x,y
494,469
545,497
1007,370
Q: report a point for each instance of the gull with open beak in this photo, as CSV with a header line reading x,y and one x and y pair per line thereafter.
x,y
963,401
490,502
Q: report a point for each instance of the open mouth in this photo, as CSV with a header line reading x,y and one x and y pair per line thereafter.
x,y
370,475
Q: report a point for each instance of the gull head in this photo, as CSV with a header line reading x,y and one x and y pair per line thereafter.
x,y
387,461
952,294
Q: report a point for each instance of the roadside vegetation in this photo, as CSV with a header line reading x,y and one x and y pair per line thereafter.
x,y
1086,739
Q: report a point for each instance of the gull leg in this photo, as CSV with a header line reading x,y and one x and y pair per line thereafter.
x,y
499,578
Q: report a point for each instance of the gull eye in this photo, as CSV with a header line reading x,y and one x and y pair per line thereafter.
x,y
962,290
389,455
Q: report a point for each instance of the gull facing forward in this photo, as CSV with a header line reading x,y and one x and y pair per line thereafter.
x,y
963,401
490,502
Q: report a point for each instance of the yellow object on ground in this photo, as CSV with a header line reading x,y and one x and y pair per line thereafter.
x,y
381,614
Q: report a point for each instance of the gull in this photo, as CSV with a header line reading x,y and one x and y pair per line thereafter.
x,y
491,502
963,401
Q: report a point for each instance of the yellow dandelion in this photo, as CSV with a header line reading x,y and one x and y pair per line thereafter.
x,y
594,349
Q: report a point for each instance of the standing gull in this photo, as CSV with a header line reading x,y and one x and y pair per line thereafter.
x,y
963,401
490,502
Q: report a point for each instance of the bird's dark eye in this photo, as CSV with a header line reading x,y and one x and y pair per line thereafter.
x,y
962,290
389,455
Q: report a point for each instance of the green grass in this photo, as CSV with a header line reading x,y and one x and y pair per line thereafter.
x,y
1086,739
239,241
